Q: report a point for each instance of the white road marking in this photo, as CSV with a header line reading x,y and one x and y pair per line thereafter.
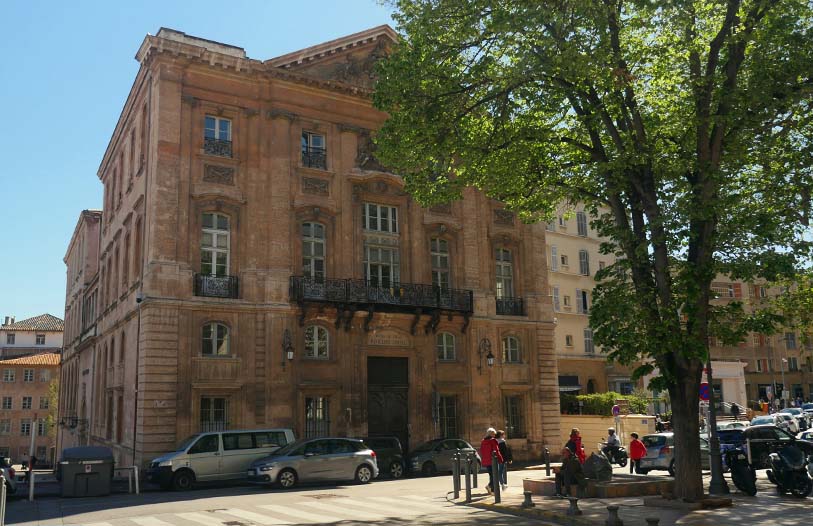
x,y
426,507
376,507
149,521
356,514
254,517
200,518
299,514
98,524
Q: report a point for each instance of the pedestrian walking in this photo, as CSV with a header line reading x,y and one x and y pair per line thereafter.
x,y
31,464
735,412
575,445
507,457
487,446
637,452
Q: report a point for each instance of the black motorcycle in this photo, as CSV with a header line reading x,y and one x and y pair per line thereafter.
x,y
742,474
616,455
789,472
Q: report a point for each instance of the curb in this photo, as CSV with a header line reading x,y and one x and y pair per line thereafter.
x,y
536,513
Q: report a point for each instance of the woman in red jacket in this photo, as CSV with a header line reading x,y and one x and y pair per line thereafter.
x,y
575,445
637,452
487,446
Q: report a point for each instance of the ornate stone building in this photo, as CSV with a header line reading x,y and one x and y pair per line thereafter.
x,y
259,268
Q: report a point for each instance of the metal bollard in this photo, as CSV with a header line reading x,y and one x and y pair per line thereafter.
x,y
456,474
527,503
467,467
652,521
547,462
612,519
574,506
31,486
495,476
2,500
475,471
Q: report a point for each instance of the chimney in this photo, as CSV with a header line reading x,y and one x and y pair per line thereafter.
x,y
6,322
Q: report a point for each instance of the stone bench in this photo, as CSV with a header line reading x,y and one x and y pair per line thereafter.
x,y
619,486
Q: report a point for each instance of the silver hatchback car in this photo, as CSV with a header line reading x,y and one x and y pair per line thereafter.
x,y
316,459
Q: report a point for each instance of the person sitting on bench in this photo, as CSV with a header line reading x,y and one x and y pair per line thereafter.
x,y
568,474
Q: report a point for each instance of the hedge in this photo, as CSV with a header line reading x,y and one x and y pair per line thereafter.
x,y
600,403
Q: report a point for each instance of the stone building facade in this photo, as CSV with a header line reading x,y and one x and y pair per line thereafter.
x,y
258,267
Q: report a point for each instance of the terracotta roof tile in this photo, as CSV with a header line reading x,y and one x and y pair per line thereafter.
x,y
43,322
48,358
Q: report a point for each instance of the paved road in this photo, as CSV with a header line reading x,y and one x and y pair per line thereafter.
x,y
410,501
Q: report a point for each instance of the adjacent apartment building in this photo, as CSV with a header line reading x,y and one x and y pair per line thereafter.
x,y
573,260
40,334
258,267
25,403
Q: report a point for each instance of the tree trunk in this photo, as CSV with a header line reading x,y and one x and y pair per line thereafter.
x,y
684,395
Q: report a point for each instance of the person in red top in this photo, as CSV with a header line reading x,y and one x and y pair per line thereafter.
x,y
637,452
487,446
575,444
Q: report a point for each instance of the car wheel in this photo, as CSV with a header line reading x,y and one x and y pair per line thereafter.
x,y
672,469
183,480
396,470
287,478
364,474
428,469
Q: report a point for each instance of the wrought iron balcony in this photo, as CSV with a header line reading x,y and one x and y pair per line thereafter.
x,y
216,286
218,147
314,158
510,307
360,292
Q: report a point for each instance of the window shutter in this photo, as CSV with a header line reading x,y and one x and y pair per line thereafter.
x,y
554,258
556,299
738,290
579,306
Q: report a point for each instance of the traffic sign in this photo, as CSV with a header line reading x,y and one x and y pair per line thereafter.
x,y
705,392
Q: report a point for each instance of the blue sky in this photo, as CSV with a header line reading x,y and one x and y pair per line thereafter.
x,y
67,69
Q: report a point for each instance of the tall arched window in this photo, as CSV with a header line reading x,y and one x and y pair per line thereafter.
x,y
445,343
510,350
214,245
313,251
125,263
316,342
121,347
137,250
505,273
215,340
440,263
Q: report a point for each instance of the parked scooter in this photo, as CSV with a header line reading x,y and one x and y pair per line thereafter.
x,y
789,472
617,455
742,474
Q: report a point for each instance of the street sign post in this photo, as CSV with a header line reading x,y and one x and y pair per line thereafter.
x,y
704,391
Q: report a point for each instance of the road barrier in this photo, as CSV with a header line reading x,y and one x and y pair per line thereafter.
x,y
132,476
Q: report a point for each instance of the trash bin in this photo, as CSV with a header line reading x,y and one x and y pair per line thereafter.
x,y
86,471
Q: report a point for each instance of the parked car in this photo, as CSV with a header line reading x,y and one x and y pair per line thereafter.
x,y
792,422
660,453
805,435
436,455
808,407
316,459
767,438
218,455
773,420
11,477
388,454
732,425
801,417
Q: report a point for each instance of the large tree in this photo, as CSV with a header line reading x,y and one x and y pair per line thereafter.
x,y
673,121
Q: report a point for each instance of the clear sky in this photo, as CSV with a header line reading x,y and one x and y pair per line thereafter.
x,y
66,70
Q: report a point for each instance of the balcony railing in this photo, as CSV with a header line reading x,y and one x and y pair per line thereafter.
x,y
510,307
216,286
359,291
218,147
314,158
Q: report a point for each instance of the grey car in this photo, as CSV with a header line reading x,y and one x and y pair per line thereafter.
x,y
316,459
436,455
660,453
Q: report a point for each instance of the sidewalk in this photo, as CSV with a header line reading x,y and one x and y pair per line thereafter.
x,y
766,508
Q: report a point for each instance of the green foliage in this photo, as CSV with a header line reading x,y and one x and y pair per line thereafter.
x,y
53,408
601,404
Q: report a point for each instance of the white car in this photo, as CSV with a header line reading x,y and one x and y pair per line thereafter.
x,y
792,423
805,435
11,478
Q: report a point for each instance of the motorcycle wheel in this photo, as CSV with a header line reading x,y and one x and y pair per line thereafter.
x,y
622,462
744,479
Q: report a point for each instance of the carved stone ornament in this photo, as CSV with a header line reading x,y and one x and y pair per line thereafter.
x,y
251,112
213,173
312,185
365,155
280,114
503,217
189,99
442,208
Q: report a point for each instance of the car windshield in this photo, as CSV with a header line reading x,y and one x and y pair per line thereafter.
x,y
730,436
793,410
807,407
188,442
286,449
426,446
654,440
762,420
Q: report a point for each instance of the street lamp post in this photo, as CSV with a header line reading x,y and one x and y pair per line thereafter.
x,y
782,363
718,485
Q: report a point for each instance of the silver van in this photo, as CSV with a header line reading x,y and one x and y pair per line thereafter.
x,y
217,455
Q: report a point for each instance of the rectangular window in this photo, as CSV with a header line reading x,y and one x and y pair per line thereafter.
x,y
584,263
762,365
582,301
314,154
447,416
790,340
27,402
42,427
214,414
7,404
562,222
313,252
44,402
215,245
28,375
45,375
565,263
42,452
5,426
554,258
382,263
568,340
581,222
556,306
9,375
588,341
379,218
514,417
217,136
551,226
317,416
439,251
505,273
793,364
25,427
566,301
445,347
10,338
